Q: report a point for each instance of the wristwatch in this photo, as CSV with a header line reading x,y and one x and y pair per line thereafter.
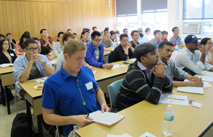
x,y
43,64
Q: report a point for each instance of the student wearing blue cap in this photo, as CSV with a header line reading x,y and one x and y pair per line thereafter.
x,y
190,59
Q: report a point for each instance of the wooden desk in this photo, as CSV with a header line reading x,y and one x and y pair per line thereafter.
x,y
105,77
144,116
33,98
6,80
106,53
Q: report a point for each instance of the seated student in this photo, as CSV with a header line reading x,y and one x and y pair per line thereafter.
x,y
75,35
46,40
117,37
44,50
69,30
165,50
61,92
95,52
19,44
31,65
6,56
11,41
60,60
208,44
135,37
147,36
107,42
123,51
85,37
190,59
145,79
58,45
140,40
112,38
175,39
157,39
164,36
2,36
94,28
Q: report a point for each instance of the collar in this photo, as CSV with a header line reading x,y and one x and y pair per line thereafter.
x,y
141,66
160,61
66,76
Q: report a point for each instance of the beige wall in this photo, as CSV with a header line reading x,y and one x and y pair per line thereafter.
x,y
17,16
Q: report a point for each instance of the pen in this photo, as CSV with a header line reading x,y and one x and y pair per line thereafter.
x,y
87,115
177,99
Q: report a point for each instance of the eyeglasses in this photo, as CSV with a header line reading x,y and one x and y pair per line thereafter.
x,y
5,44
32,49
98,40
136,35
210,44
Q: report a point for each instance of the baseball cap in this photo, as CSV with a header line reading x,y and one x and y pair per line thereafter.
x,y
190,39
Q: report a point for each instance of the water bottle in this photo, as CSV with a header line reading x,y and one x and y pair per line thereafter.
x,y
176,49
168,121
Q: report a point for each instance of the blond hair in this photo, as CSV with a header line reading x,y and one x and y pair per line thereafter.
x,y
72,46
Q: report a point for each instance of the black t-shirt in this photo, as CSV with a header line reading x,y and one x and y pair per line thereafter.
x,y
44,50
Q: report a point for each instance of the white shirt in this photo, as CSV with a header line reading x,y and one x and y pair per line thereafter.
x,y
147,37
57,48
186,58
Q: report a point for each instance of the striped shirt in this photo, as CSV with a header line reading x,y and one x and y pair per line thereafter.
x,y
137,87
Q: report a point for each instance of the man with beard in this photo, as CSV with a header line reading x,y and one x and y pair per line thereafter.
x,y
145,79
165,50
190,59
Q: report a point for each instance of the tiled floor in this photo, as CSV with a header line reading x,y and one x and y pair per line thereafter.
x,y
6,120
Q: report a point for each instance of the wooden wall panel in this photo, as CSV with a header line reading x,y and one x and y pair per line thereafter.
x,y
18,16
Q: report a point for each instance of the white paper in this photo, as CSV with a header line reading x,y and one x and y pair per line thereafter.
x,y
196,90
110,135
94,72
118,66
6,65
206,85
124,135
107,118
132,59
41,80
205,78
207,73
147,134
174,99
196,104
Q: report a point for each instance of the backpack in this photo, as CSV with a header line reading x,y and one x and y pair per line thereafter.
x,y
21,126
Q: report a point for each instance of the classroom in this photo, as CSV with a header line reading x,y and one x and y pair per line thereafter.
x,y
106,68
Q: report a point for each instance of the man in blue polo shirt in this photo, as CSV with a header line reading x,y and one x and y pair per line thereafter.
x,y
95,52
72,92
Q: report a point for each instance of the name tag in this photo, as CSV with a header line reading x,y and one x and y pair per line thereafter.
x,y
89,85
11,54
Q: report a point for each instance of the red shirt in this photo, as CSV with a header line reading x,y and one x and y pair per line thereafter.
x,y
164,39
43,42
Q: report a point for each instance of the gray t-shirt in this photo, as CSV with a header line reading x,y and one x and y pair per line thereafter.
x,y
97,53
34,73
60,59
57,48
107,43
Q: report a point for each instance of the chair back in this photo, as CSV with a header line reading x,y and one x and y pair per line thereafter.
x,y
113,89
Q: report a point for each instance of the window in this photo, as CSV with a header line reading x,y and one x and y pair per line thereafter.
x,y
197,9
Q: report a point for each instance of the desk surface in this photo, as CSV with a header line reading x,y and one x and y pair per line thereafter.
x,y
101,74
6,70
144,116
29,85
